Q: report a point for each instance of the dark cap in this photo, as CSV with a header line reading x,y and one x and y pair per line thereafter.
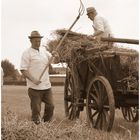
x,y
90,10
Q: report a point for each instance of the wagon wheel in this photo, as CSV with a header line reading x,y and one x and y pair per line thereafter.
x,y
130,114
71,110
100,104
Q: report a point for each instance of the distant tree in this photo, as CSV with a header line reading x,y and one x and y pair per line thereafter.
x,y
8,68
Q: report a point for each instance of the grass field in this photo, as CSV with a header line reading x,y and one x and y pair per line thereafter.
x,y
16,124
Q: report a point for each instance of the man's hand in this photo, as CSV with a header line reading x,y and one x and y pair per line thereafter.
x,y
36,82
92,37
30,77
55,54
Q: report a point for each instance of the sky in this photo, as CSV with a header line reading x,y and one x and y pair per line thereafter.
x,y
20,17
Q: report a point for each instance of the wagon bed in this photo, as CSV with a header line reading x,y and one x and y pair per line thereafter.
x,y
96,79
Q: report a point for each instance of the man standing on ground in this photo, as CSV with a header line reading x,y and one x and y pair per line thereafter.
x,y
100,24
33,62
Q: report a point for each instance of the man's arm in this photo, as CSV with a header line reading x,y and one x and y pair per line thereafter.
x,y
29,76
96,34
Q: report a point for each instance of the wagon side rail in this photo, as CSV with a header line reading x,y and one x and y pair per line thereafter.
x,y
134,54
105,50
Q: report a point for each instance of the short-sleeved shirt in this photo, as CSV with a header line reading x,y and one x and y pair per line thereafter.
x,y
101,24
34,61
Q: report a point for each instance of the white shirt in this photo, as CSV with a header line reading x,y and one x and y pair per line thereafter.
x,y
35,61
100,24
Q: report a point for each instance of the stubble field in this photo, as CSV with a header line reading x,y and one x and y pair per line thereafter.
x,y
16,124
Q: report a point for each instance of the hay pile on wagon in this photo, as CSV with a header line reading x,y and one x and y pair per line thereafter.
x,y
77,41
72,41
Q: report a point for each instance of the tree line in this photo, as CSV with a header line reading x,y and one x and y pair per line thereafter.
x,y
9,69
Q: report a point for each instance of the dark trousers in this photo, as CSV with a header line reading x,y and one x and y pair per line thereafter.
x,y
36,97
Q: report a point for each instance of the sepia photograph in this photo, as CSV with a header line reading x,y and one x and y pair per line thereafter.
x,y
69,70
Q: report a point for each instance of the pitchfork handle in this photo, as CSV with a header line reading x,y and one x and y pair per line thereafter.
x,y
59,46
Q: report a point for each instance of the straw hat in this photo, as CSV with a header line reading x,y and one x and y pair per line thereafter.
x,y
35,34
90,9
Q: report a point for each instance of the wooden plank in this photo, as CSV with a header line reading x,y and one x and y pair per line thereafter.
x,y
120,40
120,53
97,49
104,50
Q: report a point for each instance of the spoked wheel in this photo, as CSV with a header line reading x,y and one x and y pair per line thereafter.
x,y
100,104
71,110
130,114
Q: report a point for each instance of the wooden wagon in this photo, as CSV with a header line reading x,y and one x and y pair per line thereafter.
x,y
97,80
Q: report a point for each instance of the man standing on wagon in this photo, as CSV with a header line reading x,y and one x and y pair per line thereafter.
x,y
100,25
33,62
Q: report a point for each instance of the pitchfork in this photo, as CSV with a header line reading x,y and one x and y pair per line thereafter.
x,y
80,13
